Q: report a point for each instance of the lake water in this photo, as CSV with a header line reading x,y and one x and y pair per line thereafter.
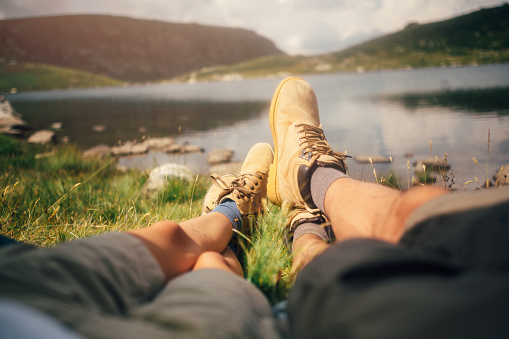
x,y
378,113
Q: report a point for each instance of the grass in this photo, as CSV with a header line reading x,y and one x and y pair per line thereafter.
x,y
29,76
49,200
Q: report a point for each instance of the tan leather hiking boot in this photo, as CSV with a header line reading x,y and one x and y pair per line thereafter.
x,y
249,189
300,145
299,216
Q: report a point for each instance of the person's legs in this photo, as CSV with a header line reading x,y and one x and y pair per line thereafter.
x,y
308,175
361,209
94,285
229,203
445,277
177,246
226,261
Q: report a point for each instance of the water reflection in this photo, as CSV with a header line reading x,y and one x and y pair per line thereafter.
x,y
477,101
132,119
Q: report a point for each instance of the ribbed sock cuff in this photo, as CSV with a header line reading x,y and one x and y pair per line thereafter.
x,y
321,179
310,228
229,209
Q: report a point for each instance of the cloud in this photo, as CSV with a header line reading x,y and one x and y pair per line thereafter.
x,y
296,26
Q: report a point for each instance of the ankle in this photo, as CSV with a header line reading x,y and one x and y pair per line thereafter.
x,y
230,210
305,249
321,179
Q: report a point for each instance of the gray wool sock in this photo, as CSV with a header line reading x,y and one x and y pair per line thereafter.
x,y
321,179
310,228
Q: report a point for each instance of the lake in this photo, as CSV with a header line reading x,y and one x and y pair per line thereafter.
x,y
389,113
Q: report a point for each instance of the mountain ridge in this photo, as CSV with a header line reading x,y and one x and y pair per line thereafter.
x,y
479,37
127,48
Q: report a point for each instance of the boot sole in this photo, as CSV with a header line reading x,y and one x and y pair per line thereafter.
x,y
273,181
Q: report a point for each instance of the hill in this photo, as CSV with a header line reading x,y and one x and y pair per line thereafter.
x,y
480,37
476,38
124,48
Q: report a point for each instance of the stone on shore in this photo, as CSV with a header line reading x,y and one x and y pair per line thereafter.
x,y
159,143
159,176
219,156
184,148
99,151
188,148
42,137
56,125
129,148
502,176
376,159
10,120
99,128
226,168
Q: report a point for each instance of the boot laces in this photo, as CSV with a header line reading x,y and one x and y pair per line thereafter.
x,y
242,187
293,220
314,142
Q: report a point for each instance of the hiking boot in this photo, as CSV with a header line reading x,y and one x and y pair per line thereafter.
x,y
300,145
248,190
299,216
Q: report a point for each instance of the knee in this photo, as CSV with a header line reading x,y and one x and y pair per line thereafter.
x,y
210,257
412,199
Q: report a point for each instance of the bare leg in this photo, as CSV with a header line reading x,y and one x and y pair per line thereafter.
x,y
305,248
361,209
177,246
226,261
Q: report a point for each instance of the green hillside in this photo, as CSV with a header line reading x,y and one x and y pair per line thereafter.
x,y
481,37
125,48
29,76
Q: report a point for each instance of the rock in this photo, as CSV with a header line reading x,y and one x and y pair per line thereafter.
x,y
190,149
159,175
187,148
56,125
219,156
65,139
434,164
376,159
99,151
10,120
129,148
226,168
175,148
502,176
159,143
408,155
99,128
42,137
184,148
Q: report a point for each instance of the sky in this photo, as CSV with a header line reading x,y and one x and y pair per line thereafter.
x,y
305,27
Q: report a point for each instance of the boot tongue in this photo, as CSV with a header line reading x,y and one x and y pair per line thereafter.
x,y
326,160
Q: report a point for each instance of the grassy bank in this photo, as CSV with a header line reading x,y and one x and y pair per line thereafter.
x,y
29,77
45,201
